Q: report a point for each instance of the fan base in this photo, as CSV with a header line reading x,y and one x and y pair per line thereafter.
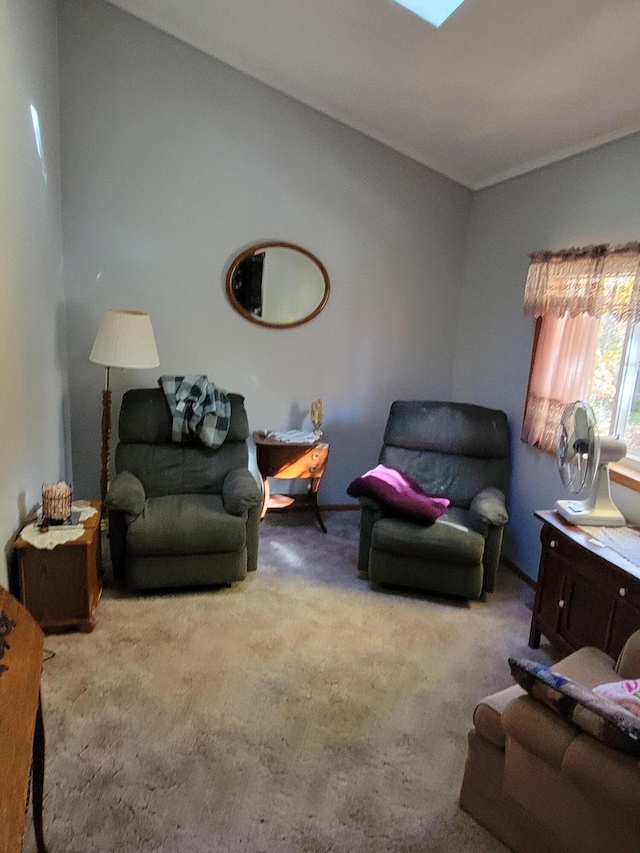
x,y
603,514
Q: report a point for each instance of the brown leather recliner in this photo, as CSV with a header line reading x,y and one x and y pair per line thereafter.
x,y
541,785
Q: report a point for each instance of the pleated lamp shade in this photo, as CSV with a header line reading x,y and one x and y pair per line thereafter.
x,y
125,339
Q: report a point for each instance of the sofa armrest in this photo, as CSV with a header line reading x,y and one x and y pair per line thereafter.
x,y
539,730
489,507
628,665
589,666
487,717
126,494
588,763
240,492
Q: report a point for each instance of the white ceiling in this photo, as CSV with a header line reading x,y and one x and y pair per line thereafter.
x,y
503,87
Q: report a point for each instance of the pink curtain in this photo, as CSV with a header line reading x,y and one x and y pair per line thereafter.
x,y
571,289
562,372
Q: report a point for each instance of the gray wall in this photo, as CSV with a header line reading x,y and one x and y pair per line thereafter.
x,y
33,437
591,198
172,163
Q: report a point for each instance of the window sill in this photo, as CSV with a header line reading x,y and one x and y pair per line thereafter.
x,y
625,476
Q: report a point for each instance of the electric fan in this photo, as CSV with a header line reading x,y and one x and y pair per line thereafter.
x,y
583,458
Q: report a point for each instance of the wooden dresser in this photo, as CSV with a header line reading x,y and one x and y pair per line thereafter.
x,y
21,728
586,595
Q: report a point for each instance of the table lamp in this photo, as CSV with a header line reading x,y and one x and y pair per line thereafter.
x,y
124,339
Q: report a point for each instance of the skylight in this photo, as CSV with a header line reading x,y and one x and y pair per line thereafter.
x,y
435,12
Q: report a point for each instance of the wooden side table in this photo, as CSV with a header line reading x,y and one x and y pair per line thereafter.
x,y
61,588
286,460
21,726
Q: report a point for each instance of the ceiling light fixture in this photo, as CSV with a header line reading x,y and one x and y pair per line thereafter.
x,y
434,12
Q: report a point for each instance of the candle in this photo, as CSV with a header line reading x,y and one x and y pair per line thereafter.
x,y
56,502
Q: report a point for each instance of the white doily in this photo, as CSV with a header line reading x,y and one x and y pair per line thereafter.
x,y
59,535
84,508
52,536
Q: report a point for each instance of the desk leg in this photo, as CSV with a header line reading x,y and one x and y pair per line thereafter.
x,y
315,483
38,779
534,636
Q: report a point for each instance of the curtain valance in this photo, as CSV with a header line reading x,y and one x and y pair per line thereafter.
x,y
599,280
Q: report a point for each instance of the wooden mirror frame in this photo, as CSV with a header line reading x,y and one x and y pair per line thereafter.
x,y
258,247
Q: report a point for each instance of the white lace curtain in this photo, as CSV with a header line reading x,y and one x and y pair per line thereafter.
x,y
570,291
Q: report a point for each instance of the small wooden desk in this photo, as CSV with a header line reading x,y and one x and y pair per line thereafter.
x,y
285,460
21,727
61,588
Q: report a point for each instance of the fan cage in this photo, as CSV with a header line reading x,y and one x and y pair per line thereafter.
x,y
578,449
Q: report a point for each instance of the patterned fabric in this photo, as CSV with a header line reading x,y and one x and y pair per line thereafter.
x,y
199,410
593,713
599,280
625,693
541,423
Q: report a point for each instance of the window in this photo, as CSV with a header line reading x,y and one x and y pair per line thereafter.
x,y
615,386
587,343
435,12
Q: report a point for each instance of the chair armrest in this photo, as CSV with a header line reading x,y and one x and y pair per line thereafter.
x,y
240,492
489,507
372,504
126,494
370,512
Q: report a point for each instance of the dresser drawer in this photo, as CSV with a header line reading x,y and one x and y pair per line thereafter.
x,y
557,543
311,464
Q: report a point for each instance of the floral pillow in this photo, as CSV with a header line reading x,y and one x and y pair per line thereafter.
x,y
398,492
593,712
625,693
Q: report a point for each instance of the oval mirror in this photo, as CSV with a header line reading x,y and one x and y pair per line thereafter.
x,y
277,284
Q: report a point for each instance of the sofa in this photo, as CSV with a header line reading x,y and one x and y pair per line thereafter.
x,y
540,784
180,514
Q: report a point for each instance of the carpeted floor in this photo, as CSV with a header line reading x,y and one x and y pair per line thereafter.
x,y
297,711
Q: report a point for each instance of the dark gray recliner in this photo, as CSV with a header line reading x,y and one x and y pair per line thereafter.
x,y
180,514
459,451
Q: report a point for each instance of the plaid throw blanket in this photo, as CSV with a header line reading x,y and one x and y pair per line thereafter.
x,y
199,409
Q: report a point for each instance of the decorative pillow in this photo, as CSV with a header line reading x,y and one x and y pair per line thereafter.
x,y
399,492
625,693
593,713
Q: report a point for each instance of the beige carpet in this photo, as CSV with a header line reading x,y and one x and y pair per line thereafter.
x,y
297,711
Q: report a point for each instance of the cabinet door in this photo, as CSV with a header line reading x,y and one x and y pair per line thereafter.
x,y
549,605
626,620
584,597
586,613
